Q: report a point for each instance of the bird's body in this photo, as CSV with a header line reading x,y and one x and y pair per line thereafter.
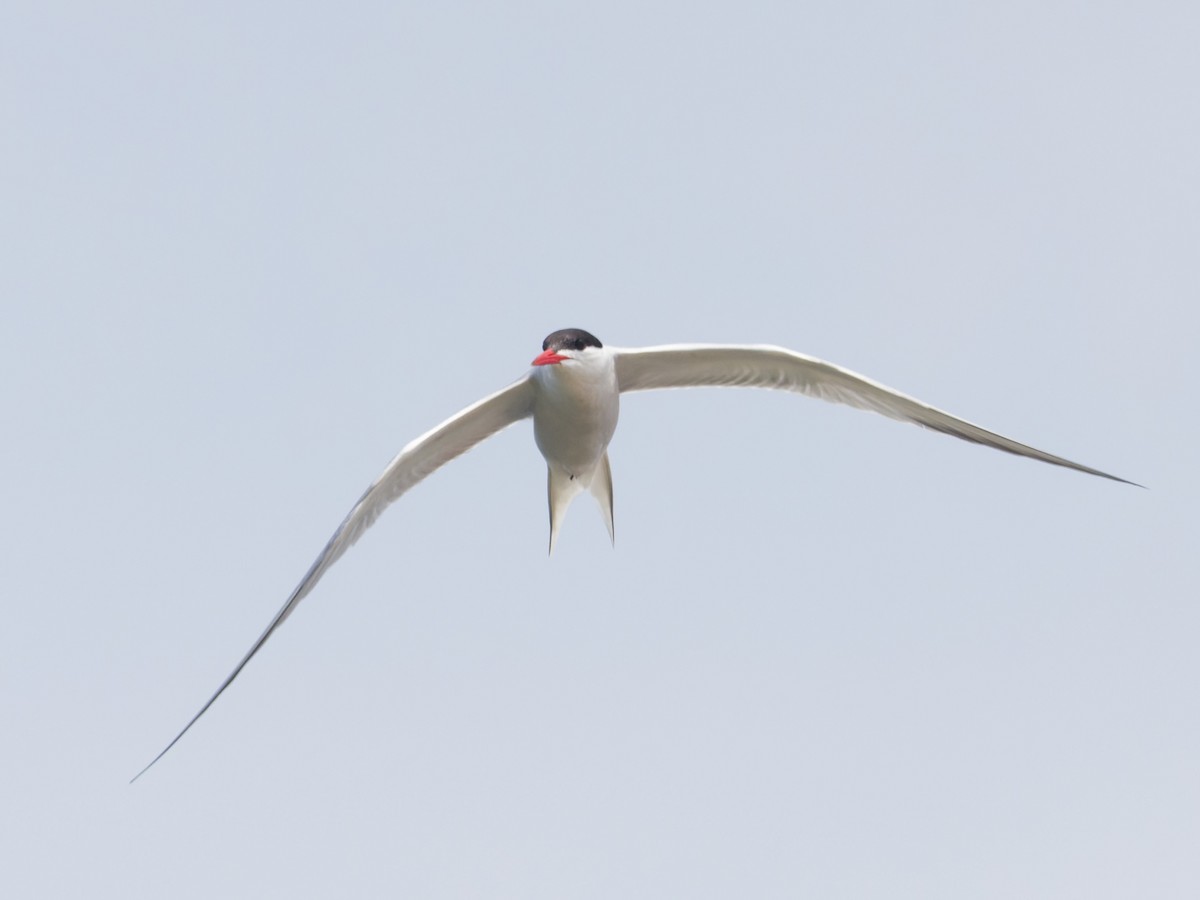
x,y
573,395
575,410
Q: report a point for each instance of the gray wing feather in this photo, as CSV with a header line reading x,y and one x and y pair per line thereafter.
x,y
419,459
697,365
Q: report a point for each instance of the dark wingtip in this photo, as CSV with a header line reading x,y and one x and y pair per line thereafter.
x,y
148,765
1116,478
175,740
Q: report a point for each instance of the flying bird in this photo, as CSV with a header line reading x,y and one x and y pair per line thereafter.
x,y
572,392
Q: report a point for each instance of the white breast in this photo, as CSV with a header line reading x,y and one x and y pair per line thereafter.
x,y
575,410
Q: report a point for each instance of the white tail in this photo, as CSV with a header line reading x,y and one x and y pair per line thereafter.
x,y
563,487
601,488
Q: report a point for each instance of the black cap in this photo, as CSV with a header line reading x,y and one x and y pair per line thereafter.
x,y
570,339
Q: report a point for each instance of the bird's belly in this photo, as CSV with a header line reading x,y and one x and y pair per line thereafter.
x,y
572,433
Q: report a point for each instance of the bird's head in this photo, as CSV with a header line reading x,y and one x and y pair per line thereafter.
x,y
570,343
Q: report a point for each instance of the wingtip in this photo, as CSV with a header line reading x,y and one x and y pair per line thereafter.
x,y
1118,479
165,749
146,768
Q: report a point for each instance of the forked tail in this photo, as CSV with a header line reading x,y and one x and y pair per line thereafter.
x,y
563,487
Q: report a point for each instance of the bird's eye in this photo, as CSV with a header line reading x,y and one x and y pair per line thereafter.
x,y
578,344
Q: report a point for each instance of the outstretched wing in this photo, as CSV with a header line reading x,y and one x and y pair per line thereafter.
x,y
415,462
696,365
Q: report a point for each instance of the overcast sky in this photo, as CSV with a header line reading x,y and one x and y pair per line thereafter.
x,y
248,251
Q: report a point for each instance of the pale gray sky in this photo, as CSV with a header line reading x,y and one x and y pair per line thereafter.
x,y
249,251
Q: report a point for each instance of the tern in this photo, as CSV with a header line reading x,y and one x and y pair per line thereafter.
x,y
572,392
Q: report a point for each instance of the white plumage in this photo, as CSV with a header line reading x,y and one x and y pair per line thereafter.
x,y
573,394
